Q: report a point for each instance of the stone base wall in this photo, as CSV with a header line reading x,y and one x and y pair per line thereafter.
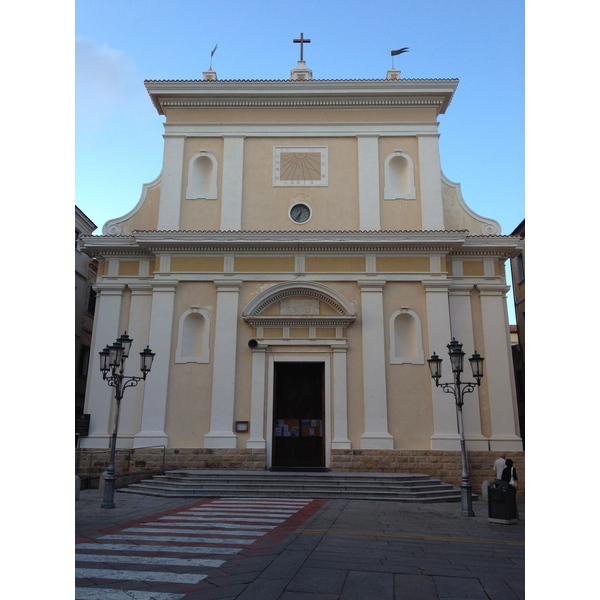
x,y
92,462
440,464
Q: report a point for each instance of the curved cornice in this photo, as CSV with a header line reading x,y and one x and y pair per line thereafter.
x,y
310,289
489,227
113,227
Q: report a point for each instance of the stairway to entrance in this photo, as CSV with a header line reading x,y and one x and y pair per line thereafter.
x,y
401,487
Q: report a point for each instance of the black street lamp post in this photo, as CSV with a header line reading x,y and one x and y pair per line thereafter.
x,y
112,365
459,389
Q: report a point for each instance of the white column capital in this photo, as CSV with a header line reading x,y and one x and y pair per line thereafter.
x,y
436,285
140,288
228,285
109,288
460,289
164,285
493,289
371,285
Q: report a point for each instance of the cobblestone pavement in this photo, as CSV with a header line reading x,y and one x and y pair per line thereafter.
x,y
316,550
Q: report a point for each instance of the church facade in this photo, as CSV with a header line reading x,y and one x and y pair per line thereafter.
x,y
293,266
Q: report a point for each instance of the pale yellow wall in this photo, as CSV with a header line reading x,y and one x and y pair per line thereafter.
x,y
262,264
473,268
335,207
190,384
197,264
129,268
201,214
402,264
335,264
410,408
400,215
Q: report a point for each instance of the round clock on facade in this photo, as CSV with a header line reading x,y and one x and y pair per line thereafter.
x,y
300,213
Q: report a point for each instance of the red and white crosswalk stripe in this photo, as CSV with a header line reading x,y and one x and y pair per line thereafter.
x,y
222,527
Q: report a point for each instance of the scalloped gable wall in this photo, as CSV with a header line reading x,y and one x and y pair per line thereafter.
x,y
143,216
458,216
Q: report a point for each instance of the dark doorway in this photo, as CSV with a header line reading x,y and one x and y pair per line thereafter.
x,y
298,427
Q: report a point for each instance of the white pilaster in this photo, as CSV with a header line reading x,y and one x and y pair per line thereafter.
x,y
461,318
138,329
445,427
376,433
498,369
368,182
233,173
432,209
156,389
340,401
257,399
223,389
171,185
99,396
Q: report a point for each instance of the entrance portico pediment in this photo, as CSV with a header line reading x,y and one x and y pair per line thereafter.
x,y
299,304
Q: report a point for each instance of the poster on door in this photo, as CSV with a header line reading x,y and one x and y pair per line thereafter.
x,y
312,428
287,428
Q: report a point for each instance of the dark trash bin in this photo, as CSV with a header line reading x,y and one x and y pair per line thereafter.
x,y
502,503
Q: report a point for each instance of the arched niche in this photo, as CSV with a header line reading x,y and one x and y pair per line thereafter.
x,y
193,337
202,177
406,340
399,177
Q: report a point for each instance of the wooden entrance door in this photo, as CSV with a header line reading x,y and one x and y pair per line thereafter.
x,y
298,424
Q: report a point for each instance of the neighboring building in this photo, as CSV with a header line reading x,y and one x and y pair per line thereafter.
x,y
293,266
85,305
517,265
514,335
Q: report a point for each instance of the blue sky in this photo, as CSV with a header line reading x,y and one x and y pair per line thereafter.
x,y
120,43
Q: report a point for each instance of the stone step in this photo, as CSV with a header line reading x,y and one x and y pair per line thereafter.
x,y
316,486
235,484
330,478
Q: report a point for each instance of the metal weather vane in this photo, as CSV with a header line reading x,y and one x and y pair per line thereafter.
x,y
211,55
396,52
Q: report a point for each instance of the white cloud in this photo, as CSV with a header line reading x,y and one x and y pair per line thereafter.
x,y
106,78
